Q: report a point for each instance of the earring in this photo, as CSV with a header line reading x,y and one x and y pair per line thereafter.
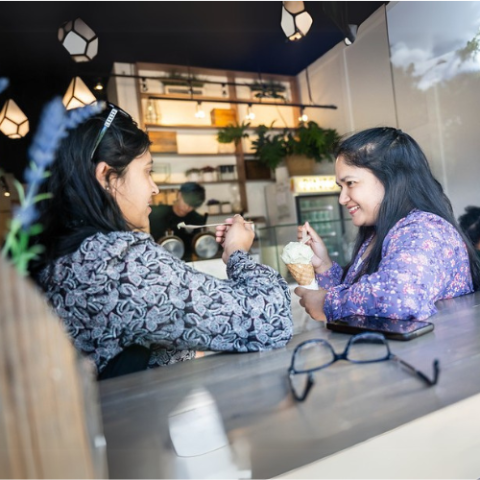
x,y
106,188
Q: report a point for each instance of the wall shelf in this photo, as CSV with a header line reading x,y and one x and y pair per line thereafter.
x,y
158,126
167,185
175,109
174,154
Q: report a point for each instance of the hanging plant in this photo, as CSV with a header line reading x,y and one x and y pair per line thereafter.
x,y
176,78
268,89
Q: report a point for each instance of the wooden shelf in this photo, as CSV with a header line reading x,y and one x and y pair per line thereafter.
x,y
151,126
176,184
173,154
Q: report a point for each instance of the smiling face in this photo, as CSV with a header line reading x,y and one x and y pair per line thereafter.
x,y
133,192
362,192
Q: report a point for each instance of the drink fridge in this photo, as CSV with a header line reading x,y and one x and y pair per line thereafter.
x,y
314,199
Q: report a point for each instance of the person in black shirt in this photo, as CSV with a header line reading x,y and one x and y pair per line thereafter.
x,y
470,224
165,218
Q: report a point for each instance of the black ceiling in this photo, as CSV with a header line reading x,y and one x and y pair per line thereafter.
x,y
226,35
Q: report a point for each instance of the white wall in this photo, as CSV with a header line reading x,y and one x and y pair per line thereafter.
x,y
429,91
437,89
357,79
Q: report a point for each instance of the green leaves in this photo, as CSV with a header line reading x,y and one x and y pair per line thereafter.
x,y
308,139
233,133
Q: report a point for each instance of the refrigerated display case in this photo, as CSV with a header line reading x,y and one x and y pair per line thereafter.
x,y
314,199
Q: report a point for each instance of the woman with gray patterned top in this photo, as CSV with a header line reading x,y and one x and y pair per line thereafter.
x,y
116,290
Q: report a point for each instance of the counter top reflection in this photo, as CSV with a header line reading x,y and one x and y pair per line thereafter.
x,y
240,418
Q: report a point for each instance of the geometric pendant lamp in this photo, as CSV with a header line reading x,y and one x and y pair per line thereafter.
x,y
77,95
13,122
296,21
79,39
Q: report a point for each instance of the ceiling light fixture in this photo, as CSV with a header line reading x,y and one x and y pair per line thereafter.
x,y
78,95
200,113
351,34
296,21
98,86
79,39
13,122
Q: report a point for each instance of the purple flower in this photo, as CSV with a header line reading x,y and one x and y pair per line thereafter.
x,y
26,215
3,84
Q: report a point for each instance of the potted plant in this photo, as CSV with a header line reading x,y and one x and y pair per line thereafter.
x,y
193,174
299,148
269,149
208,174
213,206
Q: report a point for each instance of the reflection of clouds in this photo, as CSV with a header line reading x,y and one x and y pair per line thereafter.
x,y
429,70
427,38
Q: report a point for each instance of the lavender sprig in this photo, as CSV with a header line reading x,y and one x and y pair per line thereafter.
x,y
3,84
54,124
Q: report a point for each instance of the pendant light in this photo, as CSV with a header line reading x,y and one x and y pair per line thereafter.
x,y
303,118
78,95
13,122
79,39
200,112
250,113
296,21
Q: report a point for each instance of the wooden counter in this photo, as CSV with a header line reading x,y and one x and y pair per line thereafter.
x,y
268,433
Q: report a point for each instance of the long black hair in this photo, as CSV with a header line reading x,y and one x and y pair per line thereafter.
x,y
79,206
470,223
399,163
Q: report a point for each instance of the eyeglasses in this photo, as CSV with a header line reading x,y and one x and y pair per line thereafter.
x,y
111,116
313,355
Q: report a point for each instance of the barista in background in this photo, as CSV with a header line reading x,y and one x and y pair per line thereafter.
x,y
470,223
165,218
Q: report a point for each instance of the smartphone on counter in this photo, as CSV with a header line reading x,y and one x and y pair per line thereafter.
x,y
390,328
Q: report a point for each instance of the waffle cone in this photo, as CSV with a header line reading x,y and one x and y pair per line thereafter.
x,y
303,274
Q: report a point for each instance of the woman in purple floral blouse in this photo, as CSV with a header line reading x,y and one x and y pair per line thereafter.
x,y
409,251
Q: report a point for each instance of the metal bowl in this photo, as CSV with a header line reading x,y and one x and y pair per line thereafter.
x,y
172,244
204,245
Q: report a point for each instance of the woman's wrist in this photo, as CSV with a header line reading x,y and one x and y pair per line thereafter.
x,y
324,267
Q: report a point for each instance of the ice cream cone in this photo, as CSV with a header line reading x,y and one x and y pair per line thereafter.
x,y
302,273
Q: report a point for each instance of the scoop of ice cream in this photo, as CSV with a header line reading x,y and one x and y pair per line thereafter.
x,y
297,252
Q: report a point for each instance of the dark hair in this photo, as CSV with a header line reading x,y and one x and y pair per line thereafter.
x,y
470,223
193,194
80,206
399,163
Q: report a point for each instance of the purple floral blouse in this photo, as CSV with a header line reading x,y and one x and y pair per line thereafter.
x,y
424,259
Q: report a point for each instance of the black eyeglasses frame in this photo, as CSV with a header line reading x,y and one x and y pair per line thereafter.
x,y
373,337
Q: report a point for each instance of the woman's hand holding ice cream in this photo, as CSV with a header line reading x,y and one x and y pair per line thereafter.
x,y
312,301
321,260
236,236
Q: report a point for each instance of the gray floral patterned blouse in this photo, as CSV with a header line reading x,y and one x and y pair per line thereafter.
x,y
122,288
